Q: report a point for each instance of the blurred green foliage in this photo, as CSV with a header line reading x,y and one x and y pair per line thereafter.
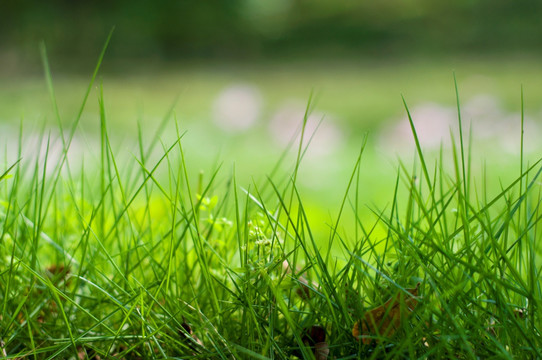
x,y
255,29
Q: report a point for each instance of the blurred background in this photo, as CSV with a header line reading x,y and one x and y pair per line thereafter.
x,y
238,74
263,30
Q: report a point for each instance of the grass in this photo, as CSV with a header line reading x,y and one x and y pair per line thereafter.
x,y
358,96
114,255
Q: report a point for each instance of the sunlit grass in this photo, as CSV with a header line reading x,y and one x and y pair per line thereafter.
x,y
134,253
355,96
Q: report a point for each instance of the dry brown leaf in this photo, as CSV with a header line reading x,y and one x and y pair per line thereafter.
x,y
81,353
58,273
315,338
386,319
313,335
192,338
321,350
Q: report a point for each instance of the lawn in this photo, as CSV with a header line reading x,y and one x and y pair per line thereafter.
x,y
203,241
350,97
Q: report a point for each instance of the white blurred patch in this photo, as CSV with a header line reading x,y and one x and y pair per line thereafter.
x,y
285,126
237,108
44,149
483,114
432,122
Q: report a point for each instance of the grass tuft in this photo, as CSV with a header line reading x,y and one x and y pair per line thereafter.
x,y
139,256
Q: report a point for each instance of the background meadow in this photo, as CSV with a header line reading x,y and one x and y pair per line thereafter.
x,y
249,115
